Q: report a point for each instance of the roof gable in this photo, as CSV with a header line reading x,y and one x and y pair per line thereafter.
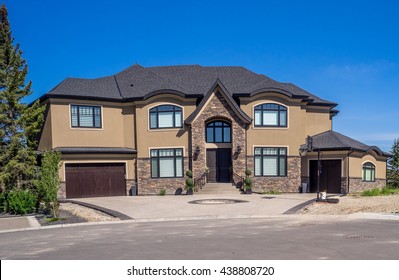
x,y
229,99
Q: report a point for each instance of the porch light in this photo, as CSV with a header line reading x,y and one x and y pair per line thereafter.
x,y
238,149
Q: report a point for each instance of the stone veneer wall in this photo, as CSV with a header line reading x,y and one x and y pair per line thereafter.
x,y
358,185
291,183
130,185
216,109
62,190
147,185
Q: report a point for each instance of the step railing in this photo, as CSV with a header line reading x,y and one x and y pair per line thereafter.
x,y
199,182
238,181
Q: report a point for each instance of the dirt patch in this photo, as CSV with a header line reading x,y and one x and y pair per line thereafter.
x,y
353,204
72,213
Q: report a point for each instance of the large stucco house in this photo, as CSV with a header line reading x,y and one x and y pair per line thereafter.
x,y
141,129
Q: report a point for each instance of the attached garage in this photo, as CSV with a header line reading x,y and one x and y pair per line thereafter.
x,y
95,179
330,176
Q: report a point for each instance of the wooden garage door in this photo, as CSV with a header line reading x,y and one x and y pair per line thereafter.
x,y
97,179
330,177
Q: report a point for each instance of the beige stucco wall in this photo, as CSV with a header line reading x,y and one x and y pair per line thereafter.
x,y
159,138
45,142
294,135
117,126
357,161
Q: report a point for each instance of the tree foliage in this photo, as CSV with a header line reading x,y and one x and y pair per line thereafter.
x,y
19,123
49,181
393,165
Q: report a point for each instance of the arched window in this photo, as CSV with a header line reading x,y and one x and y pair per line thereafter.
x,y
368,172
218,132
166,116
270,115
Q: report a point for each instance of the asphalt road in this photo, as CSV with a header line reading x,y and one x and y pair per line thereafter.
x,y
289,237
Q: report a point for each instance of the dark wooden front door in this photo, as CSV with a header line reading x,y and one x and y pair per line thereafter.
x,y
219,163
96,179
330,176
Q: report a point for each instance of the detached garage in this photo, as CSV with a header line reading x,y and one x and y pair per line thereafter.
x,y
95,179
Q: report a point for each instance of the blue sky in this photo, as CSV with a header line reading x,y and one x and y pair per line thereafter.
x,y
342,51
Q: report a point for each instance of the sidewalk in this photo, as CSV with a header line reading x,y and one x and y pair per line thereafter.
x,y
11,223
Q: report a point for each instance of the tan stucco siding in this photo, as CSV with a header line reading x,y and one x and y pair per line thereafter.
x,y
46,136
157,138
291,136
356,166
117,127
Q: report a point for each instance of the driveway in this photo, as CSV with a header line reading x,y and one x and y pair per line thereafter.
x,y
143,208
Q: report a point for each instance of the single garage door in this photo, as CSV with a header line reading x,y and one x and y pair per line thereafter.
x,y
95,179
330,176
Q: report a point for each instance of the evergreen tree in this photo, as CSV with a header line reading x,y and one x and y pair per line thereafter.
x,y
393,165
19,123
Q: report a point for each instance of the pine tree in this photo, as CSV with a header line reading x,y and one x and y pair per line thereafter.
x,y
393,165
19,123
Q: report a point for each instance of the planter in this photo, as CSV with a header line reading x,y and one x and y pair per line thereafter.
x,y
248,191
190,192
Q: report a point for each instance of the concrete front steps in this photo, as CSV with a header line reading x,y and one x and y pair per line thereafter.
x,y
218,188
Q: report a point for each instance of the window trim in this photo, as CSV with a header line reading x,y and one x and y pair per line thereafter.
x,y
174,127
364,168
256,126
212,122
86,127
175,160
279,156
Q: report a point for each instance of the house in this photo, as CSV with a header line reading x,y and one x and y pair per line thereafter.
x,y
141,129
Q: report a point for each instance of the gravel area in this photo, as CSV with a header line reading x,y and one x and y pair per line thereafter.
x,y
353,204
90,215
71,213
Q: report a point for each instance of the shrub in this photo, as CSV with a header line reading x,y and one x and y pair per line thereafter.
x,y
3,203
162,192
189,173
189,183
377,191
248,172
21,202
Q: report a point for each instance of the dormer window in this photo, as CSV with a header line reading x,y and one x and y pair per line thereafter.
x,y
270,115
166,116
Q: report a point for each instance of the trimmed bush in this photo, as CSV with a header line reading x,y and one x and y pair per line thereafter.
x,y
189,183
21,202
189,173
248,172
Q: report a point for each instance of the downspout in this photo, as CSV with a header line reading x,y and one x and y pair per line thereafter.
x,y
348,167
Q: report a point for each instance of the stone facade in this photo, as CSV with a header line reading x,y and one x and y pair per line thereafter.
x,y
218,109
358,185
62,190
291,183
131,187
147,185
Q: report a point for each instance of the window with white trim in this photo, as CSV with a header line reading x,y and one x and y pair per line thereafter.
x,y
86,116
270,161
166,163
368,172
270,115
166,116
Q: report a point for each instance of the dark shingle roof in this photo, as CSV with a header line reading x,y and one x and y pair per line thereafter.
x,y
331,140
137,82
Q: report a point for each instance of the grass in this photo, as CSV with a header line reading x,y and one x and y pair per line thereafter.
x,y
53,219
379,192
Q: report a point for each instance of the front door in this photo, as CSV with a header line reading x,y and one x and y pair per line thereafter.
x,y
219,164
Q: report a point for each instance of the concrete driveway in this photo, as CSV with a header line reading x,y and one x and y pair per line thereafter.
x,y
143,208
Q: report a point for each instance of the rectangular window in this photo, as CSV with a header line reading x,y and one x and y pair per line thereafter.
x,y
166,163
86,116
270,162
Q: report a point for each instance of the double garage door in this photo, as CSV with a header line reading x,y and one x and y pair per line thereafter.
x,y
96,179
